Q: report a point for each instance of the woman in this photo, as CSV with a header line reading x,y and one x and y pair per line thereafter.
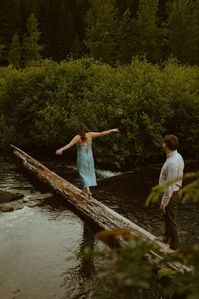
x,y
85,162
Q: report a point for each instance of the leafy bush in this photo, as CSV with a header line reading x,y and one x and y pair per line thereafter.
x,y
40,105
128,269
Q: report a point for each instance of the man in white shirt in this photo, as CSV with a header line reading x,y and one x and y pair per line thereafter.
x,y
172,169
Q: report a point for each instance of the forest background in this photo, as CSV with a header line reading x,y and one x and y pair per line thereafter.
x,y
131,64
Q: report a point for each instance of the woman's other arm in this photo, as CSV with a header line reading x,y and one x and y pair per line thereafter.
x,y
103,133
74,141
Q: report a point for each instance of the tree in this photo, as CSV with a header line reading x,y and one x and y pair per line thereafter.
x,y
183,28
32,50
126,37
131,5
76,50
15,52
9,16
64,32
102,30
2,49
146,33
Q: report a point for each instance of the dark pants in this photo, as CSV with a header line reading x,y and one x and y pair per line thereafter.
x,y
171,232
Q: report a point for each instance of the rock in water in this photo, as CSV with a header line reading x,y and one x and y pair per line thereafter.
x,y
6,196
6,209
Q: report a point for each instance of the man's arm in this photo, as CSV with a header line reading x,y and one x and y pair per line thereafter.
x,y
172,173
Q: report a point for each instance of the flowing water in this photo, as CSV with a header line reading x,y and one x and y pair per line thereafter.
x,y
39,244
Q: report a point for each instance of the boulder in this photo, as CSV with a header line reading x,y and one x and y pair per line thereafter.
x,y
6,209
7,196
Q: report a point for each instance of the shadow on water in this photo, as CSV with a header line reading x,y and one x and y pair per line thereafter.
x,y
81,282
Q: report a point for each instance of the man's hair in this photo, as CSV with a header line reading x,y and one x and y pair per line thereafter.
x,y
171,141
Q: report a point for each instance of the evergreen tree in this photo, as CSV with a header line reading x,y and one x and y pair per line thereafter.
x,y
15,52
102,30
76,50
2,50
79,10
146,33
64,34
131,5
58,35
9,16
183,29
32,50
48,16
125,39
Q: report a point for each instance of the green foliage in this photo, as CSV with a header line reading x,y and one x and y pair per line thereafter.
x,y
146,33
47,99
126,37
183,28
187,283
184,103
2,50
7,133
124,269
112,37
31,48
102,30
15,52
112,30
191,190
130,270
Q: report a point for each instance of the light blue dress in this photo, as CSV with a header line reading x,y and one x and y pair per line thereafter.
x,y
85,164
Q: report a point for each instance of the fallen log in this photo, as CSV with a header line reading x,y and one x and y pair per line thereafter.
x,y
105,217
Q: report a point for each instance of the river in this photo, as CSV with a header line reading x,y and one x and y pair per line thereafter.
x,y
40,242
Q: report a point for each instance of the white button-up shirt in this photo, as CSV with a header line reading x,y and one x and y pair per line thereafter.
x,y
172,168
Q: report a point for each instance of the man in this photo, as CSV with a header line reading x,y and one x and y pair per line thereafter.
x,y
172,168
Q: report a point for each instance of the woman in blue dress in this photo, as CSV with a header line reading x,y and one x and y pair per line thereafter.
x,y
85,161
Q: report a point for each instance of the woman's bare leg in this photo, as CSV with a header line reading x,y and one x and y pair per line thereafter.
x,y
88,191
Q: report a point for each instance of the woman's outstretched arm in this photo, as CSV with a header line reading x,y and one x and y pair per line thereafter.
x,y
103,133
74,141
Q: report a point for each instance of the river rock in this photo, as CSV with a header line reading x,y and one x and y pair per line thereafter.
x,y
7,196
6,208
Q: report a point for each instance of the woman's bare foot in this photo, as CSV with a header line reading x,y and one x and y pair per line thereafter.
x,y
86,191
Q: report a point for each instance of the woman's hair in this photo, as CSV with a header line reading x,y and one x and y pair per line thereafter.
x,y
82,130
171,141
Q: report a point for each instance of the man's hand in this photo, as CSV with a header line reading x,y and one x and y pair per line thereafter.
x,y
163,208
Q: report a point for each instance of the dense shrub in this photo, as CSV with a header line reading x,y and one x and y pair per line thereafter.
x,y
40,105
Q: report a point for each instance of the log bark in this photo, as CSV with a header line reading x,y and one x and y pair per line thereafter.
x,y
105,217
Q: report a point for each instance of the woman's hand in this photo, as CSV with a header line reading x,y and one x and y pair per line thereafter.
x,y
59,151
115,130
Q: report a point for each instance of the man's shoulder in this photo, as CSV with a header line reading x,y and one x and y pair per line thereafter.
x,y
176,160
179,156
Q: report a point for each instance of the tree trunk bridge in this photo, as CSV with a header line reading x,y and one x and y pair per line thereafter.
x,y
103,216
